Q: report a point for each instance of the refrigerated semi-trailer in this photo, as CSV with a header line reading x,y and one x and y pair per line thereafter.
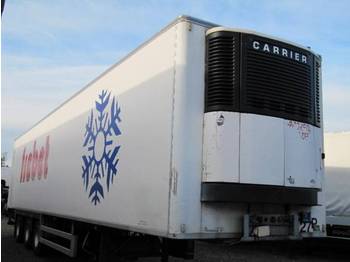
x,y
202,132
337,178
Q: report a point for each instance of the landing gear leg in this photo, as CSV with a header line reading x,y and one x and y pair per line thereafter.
x,y
164,250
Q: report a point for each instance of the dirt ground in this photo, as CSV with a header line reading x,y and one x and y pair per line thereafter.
x,y
320,250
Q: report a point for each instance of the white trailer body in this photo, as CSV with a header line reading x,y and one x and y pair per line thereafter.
x,y
145,148
338,181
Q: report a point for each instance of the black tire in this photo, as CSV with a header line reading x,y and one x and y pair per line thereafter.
x,y
38,248
28,234
18,229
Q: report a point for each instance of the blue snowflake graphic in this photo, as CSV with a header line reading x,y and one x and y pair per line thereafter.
x,y
100,163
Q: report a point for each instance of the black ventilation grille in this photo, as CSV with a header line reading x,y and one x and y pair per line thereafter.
x,y
253,74
317,93
277,86
222,72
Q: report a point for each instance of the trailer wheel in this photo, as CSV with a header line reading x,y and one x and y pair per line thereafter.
x,y
37,246
28,234
18,230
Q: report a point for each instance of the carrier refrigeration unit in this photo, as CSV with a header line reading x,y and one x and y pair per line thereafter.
x,y
202,132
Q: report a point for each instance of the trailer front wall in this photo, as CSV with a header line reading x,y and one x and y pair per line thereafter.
x,y
186,172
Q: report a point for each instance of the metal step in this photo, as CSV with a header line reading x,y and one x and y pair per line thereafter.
x,y
73,239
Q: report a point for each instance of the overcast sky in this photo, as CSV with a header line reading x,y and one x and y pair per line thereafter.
x,y
51,49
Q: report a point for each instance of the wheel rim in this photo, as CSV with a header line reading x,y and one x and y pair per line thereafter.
x,y
17,230
36,240
26,237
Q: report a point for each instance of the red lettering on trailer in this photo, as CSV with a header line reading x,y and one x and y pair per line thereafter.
x,y
303,128
23,167
35,163
46,167
40,163
29,162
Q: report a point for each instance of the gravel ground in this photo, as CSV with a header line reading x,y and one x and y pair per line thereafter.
x,y
321,250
